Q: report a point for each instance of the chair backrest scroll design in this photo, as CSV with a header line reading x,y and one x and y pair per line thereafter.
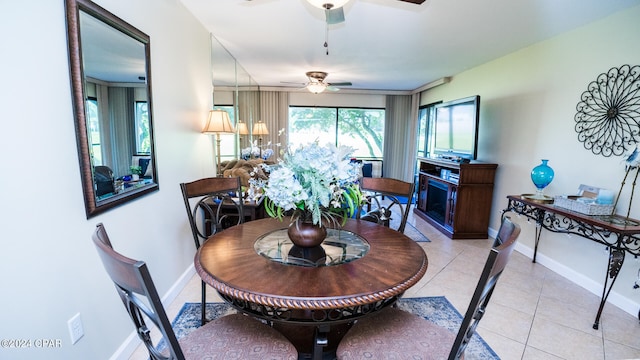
x,y
216,207
385,196
133,283
495,265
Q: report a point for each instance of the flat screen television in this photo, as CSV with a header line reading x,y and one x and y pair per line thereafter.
x,y
455,134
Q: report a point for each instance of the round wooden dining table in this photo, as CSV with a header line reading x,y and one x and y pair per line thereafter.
x,y
313,304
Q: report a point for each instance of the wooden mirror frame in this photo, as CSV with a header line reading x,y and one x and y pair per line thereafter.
x,y
94,206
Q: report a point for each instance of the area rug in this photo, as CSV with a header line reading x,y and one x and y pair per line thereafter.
x,y
415,234
436,309
409,229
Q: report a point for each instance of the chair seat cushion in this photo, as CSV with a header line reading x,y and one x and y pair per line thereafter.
x,y
395,334
236,336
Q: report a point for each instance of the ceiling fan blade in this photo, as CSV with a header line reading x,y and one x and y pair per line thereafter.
x,y
331,88
293,83
414,1
346,83
334,16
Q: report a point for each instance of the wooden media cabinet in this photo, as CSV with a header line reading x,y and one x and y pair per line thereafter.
x,y
455,197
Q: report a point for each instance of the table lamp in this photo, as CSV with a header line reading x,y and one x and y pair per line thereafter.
x,y
218,123
260,128
242,130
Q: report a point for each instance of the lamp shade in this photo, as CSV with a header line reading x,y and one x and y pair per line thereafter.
x,y
218,122
316,87
242,128
328,4
260,128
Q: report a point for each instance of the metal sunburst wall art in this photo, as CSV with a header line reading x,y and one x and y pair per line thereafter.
x,y
608,117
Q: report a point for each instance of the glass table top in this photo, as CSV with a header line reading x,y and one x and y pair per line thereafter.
x,y
339,247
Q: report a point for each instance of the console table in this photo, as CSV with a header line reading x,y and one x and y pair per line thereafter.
x,y
621,235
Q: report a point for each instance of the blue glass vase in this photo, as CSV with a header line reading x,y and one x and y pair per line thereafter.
x,y
542,175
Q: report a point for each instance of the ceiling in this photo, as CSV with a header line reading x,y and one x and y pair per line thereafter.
x,y
386,44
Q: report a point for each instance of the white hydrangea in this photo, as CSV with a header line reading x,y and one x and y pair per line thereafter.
x,y
313,177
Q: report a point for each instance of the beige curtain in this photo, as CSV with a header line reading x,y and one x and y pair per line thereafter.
x,y
247,112
274,112
122,126
102,94
401,119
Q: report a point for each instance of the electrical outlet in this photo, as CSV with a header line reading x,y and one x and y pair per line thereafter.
x,y
75,328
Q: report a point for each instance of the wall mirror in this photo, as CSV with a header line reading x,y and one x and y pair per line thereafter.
x,y
111,90
236,92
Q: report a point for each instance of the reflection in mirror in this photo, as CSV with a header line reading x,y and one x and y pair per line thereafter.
x,y
111,86
236,92
223,78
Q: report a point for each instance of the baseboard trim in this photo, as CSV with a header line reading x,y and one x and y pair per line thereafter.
x,y
594,287
132,342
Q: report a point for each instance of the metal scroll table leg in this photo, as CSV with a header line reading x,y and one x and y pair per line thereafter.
x,y
616,259
535,246
539,220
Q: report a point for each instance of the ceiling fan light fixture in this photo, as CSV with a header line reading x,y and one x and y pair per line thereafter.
x,y
316,87
328,4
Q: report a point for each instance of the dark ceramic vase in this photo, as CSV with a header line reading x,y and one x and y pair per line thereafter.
x,y
306,234
307,256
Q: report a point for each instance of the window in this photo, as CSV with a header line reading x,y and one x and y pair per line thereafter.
x,y
93,127
143,140
362,129
426,118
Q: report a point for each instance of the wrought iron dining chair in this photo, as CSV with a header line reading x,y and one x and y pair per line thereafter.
x,y
385,198
233,336
212,205
395,331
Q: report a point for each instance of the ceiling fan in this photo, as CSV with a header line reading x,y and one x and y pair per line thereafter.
x,y
334,12
317,84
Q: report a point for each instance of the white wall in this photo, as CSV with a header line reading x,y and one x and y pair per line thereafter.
x,y
49,268
528,103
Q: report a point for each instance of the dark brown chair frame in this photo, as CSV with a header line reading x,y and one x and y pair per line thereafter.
x,y
381,188
496,263
132,279
213,193
140,298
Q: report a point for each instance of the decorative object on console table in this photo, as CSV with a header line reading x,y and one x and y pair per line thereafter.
x,y
632,162
541,175
136,172
590,201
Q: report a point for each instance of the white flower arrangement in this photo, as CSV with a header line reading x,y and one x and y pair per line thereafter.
x,y
315,183
252,151
255,151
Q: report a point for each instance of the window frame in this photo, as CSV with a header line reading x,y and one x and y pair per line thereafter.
x,y
338,118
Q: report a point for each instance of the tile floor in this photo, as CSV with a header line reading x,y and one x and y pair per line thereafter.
x,y
534,313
